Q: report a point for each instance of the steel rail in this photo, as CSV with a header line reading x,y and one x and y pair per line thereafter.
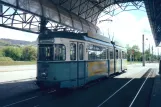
x,y
140,89
119,90
27,99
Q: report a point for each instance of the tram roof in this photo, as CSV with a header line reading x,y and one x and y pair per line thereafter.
x,y
72,35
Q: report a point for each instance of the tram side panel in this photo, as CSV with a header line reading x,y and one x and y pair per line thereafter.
x,y
97,69
124,64
119,61
60,72
97,64
124,60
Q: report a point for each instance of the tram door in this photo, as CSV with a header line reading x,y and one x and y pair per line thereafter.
x,y
77,51
80,64
111,61
116,57
117,60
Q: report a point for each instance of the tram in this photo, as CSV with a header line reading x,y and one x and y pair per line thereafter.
x,y
71,60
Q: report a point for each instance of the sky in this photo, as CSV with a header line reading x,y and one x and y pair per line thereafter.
x,y
127,27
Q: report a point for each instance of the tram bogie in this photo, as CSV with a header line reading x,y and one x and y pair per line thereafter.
x,y
71,60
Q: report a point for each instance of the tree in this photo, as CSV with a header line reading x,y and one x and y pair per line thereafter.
x,y
1,53
29,53
128,52
13,52
136,52
133,53
147,54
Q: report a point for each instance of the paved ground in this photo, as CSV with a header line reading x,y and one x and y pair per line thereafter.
x,y
120,91
17,68
11,73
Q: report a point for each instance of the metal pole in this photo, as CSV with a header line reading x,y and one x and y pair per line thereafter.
x,y
152,54
130,58
143,53
149,53
158,55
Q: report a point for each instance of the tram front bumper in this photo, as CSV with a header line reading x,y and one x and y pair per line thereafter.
x,y
47,84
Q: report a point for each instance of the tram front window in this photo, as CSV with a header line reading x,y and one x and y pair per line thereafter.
x,y
46,52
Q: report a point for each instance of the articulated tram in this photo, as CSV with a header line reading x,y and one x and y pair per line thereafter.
x,y
71,60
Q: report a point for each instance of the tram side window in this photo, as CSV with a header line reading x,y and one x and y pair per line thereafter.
x,y
72,51
103,53
111,54
123,55
59,52
117,54
96,52
91,53
45,52
81,48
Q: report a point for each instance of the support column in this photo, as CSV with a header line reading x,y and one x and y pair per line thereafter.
x,y
43,28
1,9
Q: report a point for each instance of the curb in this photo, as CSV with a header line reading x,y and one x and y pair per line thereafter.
x,y
21,80
16,70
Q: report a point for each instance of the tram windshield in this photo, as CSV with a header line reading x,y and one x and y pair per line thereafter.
x,y
56,52
46,52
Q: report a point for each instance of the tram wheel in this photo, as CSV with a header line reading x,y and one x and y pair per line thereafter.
x,y
41,86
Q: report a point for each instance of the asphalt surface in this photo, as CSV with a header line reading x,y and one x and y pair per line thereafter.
x,y
111,92
17,72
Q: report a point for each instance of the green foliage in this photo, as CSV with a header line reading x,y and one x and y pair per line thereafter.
x,y
1,53
136,53
13,52
148,55
29,53
133,53
7,63
6,59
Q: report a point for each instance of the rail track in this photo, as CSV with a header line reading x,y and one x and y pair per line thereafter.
x,y
145,77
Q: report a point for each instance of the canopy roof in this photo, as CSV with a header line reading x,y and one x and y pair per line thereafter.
x,y
82,15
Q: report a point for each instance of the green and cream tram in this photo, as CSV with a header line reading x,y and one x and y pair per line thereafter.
x,y
71,60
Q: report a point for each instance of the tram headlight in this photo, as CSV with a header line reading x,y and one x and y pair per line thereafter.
x,y
44,74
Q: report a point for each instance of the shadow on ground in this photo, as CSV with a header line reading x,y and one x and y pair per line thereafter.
x,y
90,96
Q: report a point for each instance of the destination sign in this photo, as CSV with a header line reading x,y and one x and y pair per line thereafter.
x,y
47,41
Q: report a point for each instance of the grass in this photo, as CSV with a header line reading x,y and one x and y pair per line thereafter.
x,y
8,63
6,59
